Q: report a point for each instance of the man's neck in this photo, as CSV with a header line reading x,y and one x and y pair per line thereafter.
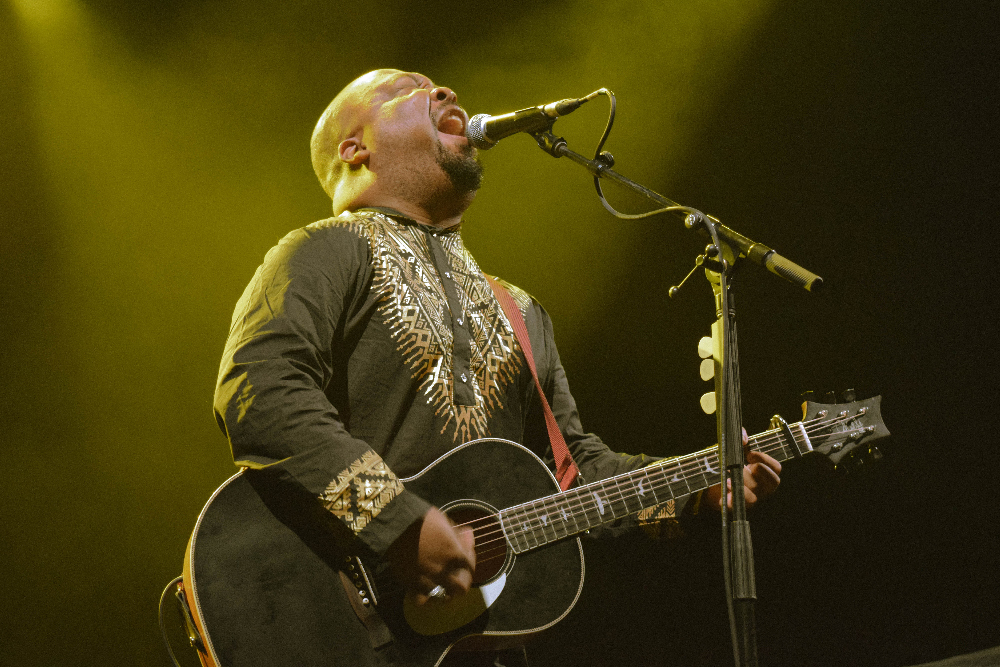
x,y
441,217
442,208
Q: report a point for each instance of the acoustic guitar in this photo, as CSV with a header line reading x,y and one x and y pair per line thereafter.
x,y
269,582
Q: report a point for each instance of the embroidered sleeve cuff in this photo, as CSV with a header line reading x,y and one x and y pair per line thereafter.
x,y
370,500
393,521
660,521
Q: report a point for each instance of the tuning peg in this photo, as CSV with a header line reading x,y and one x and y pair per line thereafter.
x,y
708,402
875,453
809,395
830,397
707,369
848,396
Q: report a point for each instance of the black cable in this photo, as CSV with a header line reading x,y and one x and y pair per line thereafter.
x,y
606,159
163,626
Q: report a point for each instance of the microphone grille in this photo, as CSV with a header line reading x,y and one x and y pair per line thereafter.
x,y
476,132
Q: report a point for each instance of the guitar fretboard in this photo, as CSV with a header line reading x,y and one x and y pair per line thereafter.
x,y
555,517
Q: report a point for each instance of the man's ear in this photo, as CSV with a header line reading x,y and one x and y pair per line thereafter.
x,y
353,151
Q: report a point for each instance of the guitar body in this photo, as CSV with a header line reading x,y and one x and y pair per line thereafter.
x,y
263,572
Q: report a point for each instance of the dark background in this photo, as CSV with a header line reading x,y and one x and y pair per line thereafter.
x,y
153,151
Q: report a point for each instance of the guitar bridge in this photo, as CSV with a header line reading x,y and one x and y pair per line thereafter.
x,y
358,577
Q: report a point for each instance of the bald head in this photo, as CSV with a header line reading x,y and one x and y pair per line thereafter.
x,y
343,118
394,139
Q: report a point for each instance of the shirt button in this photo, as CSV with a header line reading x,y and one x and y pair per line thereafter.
x,y
464,379
447,274
461,322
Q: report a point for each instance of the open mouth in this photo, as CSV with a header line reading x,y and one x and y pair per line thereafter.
x,y
452,121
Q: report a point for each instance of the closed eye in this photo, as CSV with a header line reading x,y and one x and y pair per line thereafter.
x,y
407,79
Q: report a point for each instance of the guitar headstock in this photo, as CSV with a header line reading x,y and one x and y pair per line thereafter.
x,y
836,429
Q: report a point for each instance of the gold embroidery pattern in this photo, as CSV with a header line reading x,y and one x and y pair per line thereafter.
x,y
360,492
660,521
665,510
412,301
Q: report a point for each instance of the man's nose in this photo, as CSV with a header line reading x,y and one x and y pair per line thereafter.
x,y
444,95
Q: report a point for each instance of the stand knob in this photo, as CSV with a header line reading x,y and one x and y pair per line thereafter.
x,y
705,347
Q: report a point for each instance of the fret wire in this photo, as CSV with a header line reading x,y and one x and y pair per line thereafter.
x,y
537,525
576,522
682,469
523,526
521,538
652,489
607,505
560,502
509,532
611,503
629,495
527,524
543,515
532,523
550,521
684,466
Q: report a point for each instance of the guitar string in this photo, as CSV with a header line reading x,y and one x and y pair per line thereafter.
x,y
681,467
534,518
529,512
767,441
530,524
497,547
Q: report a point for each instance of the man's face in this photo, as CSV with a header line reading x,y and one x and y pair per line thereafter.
x,y
415,124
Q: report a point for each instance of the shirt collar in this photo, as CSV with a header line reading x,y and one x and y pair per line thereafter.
x,y
405,219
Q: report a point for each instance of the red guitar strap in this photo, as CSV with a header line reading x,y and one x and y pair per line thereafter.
x,y
566,470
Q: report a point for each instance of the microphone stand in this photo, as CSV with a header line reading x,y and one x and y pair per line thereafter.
x,y
727,246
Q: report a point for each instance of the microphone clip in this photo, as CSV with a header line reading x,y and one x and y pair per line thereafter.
x,y
550,143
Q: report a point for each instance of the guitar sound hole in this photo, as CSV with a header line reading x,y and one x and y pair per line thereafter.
x,y
491,546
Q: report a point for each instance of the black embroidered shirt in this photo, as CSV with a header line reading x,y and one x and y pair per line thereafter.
x,y
368,345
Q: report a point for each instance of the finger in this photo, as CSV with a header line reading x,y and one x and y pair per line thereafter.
x,y
746,438
713,497
424,584
761,479
421,590
458,581
750,496
765,459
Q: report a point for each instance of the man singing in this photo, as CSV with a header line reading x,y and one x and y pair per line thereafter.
x,y
369,344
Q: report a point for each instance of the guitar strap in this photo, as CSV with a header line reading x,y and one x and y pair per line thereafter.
x,y
566,470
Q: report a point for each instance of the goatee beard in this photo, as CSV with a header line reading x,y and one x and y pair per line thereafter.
x,y
464,171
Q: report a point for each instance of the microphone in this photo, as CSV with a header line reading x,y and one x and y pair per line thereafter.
x,y
484,131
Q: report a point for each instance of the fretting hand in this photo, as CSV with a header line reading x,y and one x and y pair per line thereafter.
x,y
760,479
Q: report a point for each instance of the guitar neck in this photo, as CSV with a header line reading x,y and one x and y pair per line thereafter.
x,y
537,523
